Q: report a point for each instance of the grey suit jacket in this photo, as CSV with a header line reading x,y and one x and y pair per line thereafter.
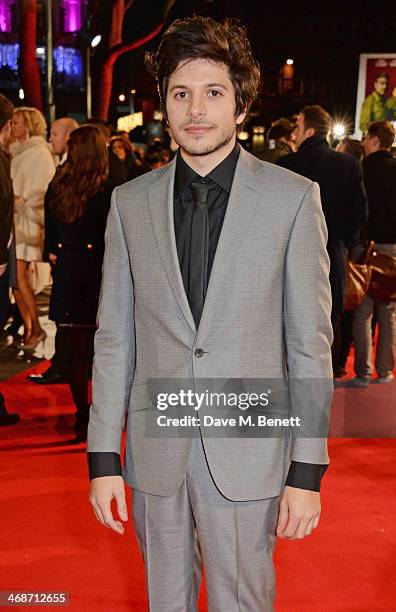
x,y
266,316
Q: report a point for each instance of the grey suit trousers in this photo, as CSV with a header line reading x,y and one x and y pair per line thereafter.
x,y
234,539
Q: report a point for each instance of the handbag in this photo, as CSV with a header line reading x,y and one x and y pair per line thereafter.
x,y
383,277
358,277
358,281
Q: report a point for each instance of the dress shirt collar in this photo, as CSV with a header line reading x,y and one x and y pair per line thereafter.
x,y
222,175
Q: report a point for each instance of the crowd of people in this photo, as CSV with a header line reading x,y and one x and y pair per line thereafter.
x,y
358,187
55,197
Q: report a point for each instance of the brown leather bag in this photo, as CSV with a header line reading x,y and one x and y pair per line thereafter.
x,y
383,277
358,277
358,281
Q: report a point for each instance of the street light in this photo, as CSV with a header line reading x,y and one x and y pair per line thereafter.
x,y
50,65
96,40
290,62
89,40
93,43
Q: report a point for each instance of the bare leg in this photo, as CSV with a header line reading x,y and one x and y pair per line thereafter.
x,y
26,301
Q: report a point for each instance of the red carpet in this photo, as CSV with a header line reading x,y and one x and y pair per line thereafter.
x,y
50,540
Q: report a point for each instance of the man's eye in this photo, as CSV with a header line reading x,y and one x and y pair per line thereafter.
x,y
181,95
214,93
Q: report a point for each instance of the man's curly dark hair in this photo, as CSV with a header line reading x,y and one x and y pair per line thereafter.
x,y
224,42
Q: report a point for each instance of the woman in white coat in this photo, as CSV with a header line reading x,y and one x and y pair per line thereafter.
x,y
32,169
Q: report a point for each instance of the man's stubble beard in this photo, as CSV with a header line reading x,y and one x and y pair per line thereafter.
x,y
202,149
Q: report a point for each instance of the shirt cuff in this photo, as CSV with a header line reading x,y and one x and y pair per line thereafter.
x,y
305,475
104,464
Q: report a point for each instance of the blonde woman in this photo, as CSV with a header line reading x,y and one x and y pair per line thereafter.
x,y
32,169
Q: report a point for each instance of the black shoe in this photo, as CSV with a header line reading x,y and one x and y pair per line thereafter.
x,y
7,418
47,378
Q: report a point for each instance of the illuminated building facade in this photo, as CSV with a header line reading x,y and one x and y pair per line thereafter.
x,y
68,18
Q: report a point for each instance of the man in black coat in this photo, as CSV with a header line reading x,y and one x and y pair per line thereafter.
x,y
379,171
7,252
343,195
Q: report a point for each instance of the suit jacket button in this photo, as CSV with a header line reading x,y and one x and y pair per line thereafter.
x,y
199,352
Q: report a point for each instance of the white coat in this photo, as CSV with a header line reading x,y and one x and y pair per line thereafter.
x,y
32,169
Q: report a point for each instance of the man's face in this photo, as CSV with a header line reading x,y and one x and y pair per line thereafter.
x,y
380,85
200,105
301,133
371,144
58,138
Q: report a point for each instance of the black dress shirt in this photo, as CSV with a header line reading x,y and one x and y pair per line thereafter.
x,y
301,475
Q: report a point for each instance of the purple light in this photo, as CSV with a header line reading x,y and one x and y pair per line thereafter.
x,y
5,15
73,17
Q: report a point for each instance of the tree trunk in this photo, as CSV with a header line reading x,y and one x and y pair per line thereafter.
x,y
106,73
117,48
117,20
28,68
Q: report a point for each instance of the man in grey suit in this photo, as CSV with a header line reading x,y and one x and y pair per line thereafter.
x,y
215,269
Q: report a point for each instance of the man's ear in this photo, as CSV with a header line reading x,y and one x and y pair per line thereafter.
x,y
310,132
241,118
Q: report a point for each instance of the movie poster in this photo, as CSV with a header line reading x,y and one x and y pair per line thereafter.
x,y
376,93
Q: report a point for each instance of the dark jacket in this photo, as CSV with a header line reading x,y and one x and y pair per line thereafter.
x,y
379,172
273,151
77,273
343,199
7,251
118,171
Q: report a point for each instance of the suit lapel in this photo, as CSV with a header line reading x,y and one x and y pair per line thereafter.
x,y
161,211
242,202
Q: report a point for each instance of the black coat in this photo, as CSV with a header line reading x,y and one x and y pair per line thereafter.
x,y
6,206
77,273
118,172
379,171
343,199
7,251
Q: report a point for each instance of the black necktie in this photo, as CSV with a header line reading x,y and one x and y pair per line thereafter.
x,y
198,270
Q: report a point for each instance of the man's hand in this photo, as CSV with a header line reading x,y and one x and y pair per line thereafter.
x,y
299,513
102,491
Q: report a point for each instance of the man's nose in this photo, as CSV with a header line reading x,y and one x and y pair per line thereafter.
x,y
197,105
